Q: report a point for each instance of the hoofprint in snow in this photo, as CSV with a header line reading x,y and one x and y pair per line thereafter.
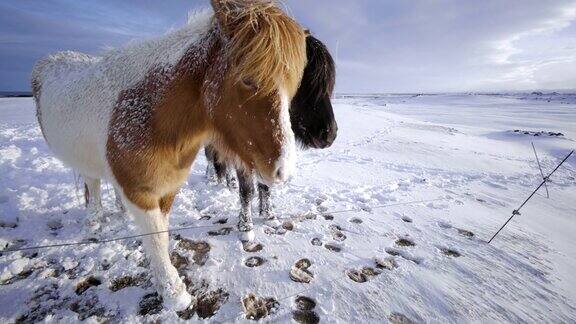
x,y
424,262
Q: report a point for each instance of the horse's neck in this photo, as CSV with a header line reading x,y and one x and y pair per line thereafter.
x,y
183,117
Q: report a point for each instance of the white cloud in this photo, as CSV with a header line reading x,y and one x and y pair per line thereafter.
x,y
525,53
447,45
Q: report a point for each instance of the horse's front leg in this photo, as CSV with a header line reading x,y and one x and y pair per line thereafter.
x,y
154,219
93,198
216,170
265,208
231,182
211,161
245,224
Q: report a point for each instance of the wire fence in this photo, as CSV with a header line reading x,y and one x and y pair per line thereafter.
x,y
545,179
262,307
187,228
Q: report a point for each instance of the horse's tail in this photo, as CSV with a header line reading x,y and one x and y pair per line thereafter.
x,y
37,79
37,73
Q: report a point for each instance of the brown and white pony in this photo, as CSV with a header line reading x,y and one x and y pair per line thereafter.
x,y
313,123
138,116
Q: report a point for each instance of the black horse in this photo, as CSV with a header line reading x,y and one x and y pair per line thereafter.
x,y
313,123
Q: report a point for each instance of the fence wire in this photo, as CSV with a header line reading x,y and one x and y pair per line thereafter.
x,y
187,228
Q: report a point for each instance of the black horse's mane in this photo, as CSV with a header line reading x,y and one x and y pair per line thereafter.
x,y
319,76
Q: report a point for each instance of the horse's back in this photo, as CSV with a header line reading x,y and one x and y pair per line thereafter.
x,y
61,62
65,87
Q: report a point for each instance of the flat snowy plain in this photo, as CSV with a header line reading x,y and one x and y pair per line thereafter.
x,y
391,149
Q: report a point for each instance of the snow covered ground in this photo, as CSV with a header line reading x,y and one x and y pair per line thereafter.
x,y
435,264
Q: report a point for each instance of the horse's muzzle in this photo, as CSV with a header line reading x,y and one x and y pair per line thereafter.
x,y
326,139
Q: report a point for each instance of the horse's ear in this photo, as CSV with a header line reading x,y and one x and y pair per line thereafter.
x,y
233,15
220,13
224,11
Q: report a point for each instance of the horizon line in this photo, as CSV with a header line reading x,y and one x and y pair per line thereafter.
x,y
344,93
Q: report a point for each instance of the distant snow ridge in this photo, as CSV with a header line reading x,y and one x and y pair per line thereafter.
x,y
538,133
560,97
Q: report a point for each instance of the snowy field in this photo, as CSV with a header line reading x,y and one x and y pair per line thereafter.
x,y
374,255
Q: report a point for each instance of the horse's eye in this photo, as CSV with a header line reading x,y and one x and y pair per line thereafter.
x,y
249,83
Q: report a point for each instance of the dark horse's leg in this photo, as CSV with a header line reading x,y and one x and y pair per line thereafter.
x,y
265,208
218,169
230,179
214,168
210,154
245,224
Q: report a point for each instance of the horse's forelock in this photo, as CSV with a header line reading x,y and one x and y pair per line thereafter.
x,y
265,45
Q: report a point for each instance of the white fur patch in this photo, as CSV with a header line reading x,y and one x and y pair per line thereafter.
x,y
287,160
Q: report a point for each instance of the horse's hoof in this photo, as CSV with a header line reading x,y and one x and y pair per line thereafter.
x,y
94,219
247,236
232,184
93,226
178,302
274,223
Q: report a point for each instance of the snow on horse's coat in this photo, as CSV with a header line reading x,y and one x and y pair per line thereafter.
x,y
85,89
138,116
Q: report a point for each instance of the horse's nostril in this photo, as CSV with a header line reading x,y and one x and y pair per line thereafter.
x,y
327,139
331,139
331,136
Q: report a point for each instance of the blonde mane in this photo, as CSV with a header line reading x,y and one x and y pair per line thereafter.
x,y
266,46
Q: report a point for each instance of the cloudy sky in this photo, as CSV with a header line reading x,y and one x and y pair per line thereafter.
x,y
380,45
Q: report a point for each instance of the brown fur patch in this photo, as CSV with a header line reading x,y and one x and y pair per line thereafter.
x,y
155,133
166,203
